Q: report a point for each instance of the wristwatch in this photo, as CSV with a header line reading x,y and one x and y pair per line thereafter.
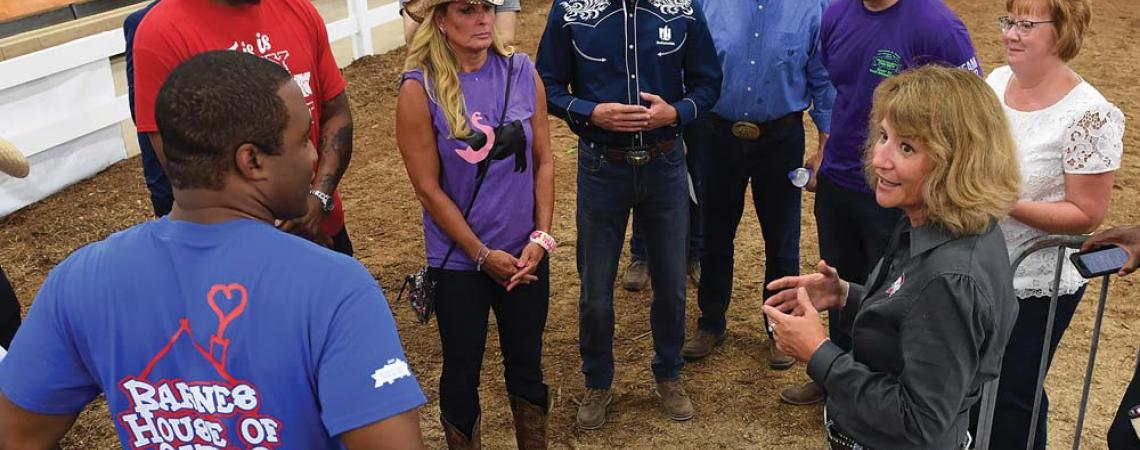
x,y
326,200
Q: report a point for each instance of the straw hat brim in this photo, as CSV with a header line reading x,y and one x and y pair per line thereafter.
x,y
12,160
418,9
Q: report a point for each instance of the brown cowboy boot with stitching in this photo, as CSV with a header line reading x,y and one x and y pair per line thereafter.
x,y
530,423
457,440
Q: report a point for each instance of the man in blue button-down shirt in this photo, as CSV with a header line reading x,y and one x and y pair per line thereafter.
x,y
627,75
769,52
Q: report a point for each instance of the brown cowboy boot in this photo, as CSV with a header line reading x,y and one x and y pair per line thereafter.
x,y
530,423
457,440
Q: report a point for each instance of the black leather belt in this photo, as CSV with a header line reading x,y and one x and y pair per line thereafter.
x,y
640,155
751,131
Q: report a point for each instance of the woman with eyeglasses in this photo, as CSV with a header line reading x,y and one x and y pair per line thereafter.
x,y
1070,141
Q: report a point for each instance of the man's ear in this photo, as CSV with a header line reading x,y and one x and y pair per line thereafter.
x,y
250,161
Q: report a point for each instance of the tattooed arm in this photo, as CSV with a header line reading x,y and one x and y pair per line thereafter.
x,y
333,154
335,149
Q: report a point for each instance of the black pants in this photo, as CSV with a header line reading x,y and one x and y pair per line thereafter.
x,y
463,301
341,242
1018,385
731,164
1121,435
9,311
853,233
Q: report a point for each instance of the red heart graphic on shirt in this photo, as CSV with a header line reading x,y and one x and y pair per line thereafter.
x,y
236,305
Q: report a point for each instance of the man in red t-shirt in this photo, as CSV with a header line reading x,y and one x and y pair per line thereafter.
x,y
288,32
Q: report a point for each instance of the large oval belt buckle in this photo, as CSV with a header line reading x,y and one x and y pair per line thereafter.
x,y
637,157
746,130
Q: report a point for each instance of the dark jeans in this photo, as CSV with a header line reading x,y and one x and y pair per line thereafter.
x,y
341,242
695,143
732,163
658,194
853,232
1121,435
9,311
463,300
1018,385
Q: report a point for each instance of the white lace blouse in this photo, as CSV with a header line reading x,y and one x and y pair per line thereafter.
x,y
1080,134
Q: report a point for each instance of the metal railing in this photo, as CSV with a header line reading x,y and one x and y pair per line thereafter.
x,y
989,390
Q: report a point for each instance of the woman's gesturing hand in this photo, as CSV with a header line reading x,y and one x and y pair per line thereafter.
x,y
825,289
798,336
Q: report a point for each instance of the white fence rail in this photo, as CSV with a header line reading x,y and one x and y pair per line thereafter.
x,y
60,108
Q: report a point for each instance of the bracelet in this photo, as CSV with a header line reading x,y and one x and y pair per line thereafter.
x,y
481,257
544,240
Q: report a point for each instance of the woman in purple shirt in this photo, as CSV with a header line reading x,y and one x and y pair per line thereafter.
x,y
485,177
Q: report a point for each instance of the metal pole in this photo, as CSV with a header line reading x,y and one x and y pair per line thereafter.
x,y
1092,360
1043,365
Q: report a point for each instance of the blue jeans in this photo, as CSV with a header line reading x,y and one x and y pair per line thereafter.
x,y
657,192
731,164
696,143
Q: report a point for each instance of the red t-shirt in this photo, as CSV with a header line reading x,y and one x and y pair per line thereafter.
x,y
288,32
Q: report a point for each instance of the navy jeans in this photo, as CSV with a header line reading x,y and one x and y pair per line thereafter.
x,y
696,143
1018,385
853,233
730,164
657,192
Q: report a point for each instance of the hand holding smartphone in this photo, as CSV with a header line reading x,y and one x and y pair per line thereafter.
x,y
1099,261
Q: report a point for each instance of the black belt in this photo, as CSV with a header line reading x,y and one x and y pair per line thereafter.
x,y
838,440
639,155
751,131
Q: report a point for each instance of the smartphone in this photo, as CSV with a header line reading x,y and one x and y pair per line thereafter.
x,y
1099,261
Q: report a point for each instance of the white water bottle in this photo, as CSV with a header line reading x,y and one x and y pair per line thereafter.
x,y
800,177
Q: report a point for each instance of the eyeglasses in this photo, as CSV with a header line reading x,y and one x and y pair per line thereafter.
x,y
1023,26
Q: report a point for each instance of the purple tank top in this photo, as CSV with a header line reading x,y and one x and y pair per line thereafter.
x,y
503,213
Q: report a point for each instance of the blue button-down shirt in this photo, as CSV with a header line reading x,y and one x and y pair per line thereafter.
x,y
769,52
601,51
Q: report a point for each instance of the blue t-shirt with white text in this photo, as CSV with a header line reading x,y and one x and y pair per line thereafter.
x,y
233,335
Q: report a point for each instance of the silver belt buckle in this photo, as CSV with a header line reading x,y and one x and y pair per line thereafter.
x,y
637,157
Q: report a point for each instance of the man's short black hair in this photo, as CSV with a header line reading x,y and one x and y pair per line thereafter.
x,y
209,106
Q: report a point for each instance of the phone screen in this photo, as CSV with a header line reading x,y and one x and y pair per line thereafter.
x,y
1107,260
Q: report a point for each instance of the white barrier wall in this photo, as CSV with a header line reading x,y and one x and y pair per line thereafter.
x,y
60,108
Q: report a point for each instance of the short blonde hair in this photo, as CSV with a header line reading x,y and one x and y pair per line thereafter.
x,y
1070,21
974,179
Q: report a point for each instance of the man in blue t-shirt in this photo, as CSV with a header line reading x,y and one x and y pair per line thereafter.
x,y
238,336
863,42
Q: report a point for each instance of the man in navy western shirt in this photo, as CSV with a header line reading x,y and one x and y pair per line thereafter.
x,y
769,52
627,75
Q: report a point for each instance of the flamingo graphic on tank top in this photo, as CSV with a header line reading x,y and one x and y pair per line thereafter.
x,y
473,156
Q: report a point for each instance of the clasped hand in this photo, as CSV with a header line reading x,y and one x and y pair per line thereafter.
x,y
509,271
634,118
